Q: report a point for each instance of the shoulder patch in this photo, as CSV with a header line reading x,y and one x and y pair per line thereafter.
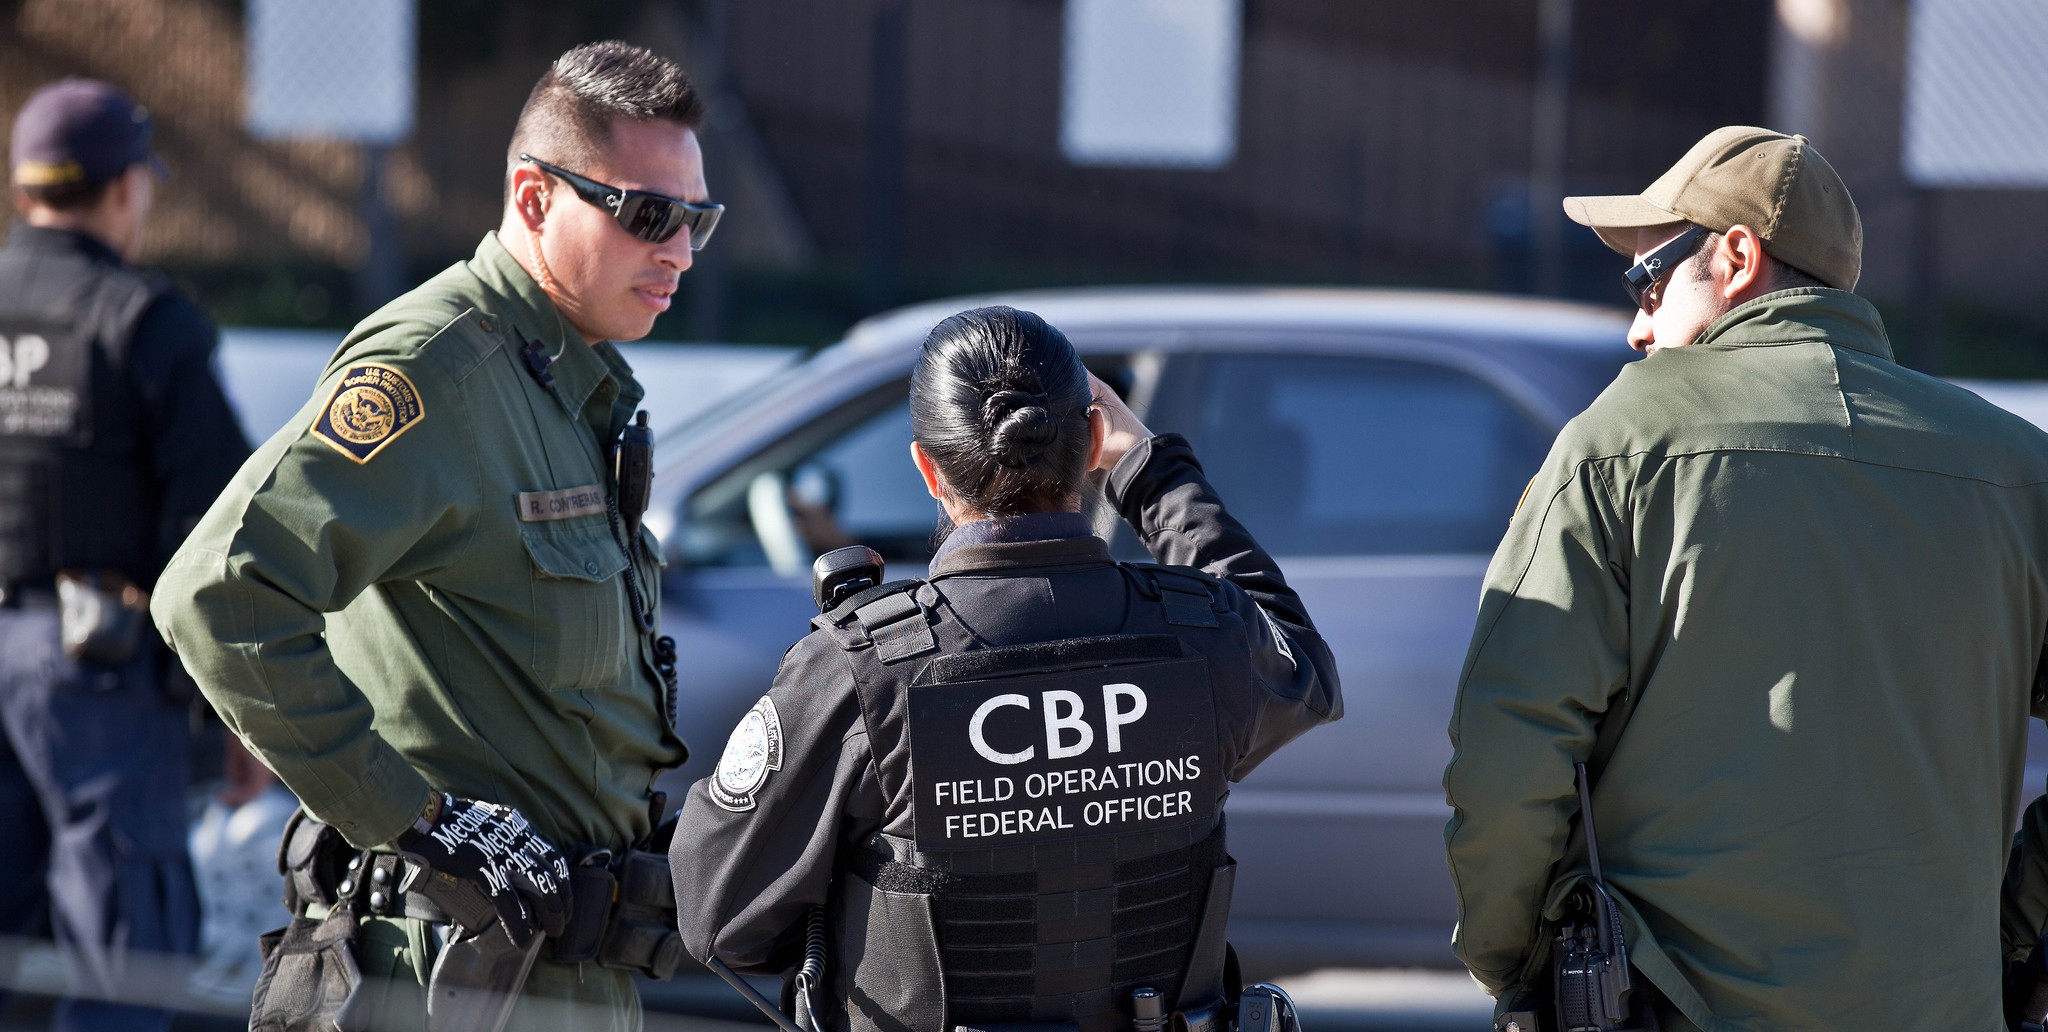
x,y
754,750
371,405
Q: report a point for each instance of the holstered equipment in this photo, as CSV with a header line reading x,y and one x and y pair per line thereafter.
x,y
1592,987
476,979
99,616
310,979
622,917
1266,1007
1043,913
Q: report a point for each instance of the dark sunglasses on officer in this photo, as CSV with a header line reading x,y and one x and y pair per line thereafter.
x,y
649,216
1657,265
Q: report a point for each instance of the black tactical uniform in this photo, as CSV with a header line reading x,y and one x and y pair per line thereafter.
x,y
1073,722
114,438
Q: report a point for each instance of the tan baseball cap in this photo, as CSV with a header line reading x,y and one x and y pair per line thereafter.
x,y
1776,184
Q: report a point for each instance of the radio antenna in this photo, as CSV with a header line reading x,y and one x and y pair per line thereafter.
x,y
1586,818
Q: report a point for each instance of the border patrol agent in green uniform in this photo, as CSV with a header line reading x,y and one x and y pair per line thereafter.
x,y
1786,599
422,605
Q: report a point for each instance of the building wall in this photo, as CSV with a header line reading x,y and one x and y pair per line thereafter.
x,y
1956,268
1378,142
1373,137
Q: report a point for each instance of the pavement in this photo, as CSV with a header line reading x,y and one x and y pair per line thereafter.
x,y
1331,1000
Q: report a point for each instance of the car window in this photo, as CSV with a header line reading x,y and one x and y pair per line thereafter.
x,y
880,500
843,478
1333,455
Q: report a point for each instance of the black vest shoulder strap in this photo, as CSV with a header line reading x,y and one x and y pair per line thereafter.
x,y
887,617
1187,594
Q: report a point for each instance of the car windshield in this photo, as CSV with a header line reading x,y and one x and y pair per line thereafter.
x,y
683,435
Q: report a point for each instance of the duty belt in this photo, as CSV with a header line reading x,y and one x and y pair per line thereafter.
x,y
623,915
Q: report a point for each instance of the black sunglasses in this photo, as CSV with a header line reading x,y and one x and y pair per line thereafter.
x,y
652,217
1658,264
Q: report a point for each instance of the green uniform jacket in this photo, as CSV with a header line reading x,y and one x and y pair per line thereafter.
x,y
1789,598
441,516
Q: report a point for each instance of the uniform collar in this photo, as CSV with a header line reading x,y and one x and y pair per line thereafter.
x,y
1038,539
1803,315
47,238
578,369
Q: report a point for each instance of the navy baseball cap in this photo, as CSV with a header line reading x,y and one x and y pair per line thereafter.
x,y
80,131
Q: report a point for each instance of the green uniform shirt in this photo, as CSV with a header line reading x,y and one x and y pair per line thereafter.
x,y
416,582
1789,598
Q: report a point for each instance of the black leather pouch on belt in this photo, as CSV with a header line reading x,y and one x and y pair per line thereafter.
x,y
310,979
310,976
593,889
641,935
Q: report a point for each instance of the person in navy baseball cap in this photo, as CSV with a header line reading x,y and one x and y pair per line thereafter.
x,y
81,148
80,131
115,437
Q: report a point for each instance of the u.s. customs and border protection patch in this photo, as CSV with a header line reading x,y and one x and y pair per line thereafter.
x,y
754,749
371,405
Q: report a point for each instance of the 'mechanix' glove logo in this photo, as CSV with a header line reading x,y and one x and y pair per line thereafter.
x,y
492,847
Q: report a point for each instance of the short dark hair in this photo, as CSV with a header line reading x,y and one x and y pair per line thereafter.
x,y
999,401
1787,276
568,117
1704,244
68,196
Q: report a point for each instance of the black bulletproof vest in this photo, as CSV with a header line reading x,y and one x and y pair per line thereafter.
x,y
75,484
1065,799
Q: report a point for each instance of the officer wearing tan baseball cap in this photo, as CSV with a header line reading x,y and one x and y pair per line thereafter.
x,y
1776,184
1758,210
1773,573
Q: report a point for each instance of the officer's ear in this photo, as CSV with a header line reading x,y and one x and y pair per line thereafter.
x,y
925,468
1741,252
21,202
530,195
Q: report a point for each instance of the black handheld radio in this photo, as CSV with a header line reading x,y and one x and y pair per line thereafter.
x,y
1596,991
838,574
635,471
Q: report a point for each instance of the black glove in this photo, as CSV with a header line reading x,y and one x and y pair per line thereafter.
x,y
492,849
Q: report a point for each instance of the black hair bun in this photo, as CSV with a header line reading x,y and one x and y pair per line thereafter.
x,y
1020,427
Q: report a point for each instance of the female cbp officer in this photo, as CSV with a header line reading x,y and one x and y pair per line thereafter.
x,y
1004,783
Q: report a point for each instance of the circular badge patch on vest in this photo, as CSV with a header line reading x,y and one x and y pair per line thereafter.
x,y
754,749
371,405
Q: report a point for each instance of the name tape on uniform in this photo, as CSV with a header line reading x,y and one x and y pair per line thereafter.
x,y
536,506
1064,755
371,405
